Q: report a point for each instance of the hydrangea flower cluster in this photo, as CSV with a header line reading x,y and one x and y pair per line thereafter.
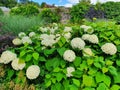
x,y
109,48
87,29
33,72
69,71
69,55
91,38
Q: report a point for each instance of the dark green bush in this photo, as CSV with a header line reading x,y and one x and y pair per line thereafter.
x,y
112,10
1,12
49,15
25,10
78,11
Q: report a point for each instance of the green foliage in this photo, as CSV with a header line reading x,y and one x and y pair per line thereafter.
x,y
49,15
16,24
98,72
1,12
78,11
111,11
25,10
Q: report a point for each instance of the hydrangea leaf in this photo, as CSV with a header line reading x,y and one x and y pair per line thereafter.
x,y
76,82
115,87
35,55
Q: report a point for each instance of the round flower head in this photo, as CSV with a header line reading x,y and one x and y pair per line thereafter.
x,y
33,72
87,52
16,41
67,29
16,65
32,34
21,34
67,36
93,39
69,55
87,29
69,71
85,36
77,43
7,56
109,48
26,39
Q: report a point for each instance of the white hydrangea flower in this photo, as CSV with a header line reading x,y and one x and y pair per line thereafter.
x,y
7,56
93,39
48,40
67,29
26,39
16,41
21,34
87,29
69,71
85,36
109,48
87,52
16,65
43,30
77,43
33,72
57,37
32,34
67,36
69,55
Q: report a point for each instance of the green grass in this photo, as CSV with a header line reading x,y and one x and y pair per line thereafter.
x,y
16,24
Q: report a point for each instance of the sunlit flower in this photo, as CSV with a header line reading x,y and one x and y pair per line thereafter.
x,y
32,34
93,39
21,34
85,36
26,39
16,65
69,71
77,43
87,52
7,56
67,36
109,48
33,72
69,55
16,41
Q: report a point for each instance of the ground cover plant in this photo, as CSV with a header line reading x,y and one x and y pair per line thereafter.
x,y
60,57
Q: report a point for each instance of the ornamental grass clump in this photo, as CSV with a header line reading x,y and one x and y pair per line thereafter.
x,y
52,60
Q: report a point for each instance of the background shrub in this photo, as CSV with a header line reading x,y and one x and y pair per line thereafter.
x,y
49,15
78,11
25,10
112,10
1,12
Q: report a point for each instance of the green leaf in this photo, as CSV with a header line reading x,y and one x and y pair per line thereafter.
x,y
77,61
48,52
90,61
28,57
112,70
42,58
10,73
59,76
89,88
102,86
77,73
117,78
104,69
48,83
53,80
35,55
76,82
118,62
98,65
57,69
61,51
48,76
88,81
22,53
115,87
73,87
63,40
62,63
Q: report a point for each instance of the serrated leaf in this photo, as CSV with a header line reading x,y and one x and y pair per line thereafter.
x,y
35,55
77,61
28,57
22,53
97,64
59,76
48,52
76,82
112,70
48,83
102,86
104,69
61,51
90,61
115,87
86,79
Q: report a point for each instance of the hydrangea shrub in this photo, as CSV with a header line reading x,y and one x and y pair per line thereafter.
x,y
53,62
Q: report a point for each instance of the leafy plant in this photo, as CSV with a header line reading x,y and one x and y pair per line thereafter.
x,y
1,12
